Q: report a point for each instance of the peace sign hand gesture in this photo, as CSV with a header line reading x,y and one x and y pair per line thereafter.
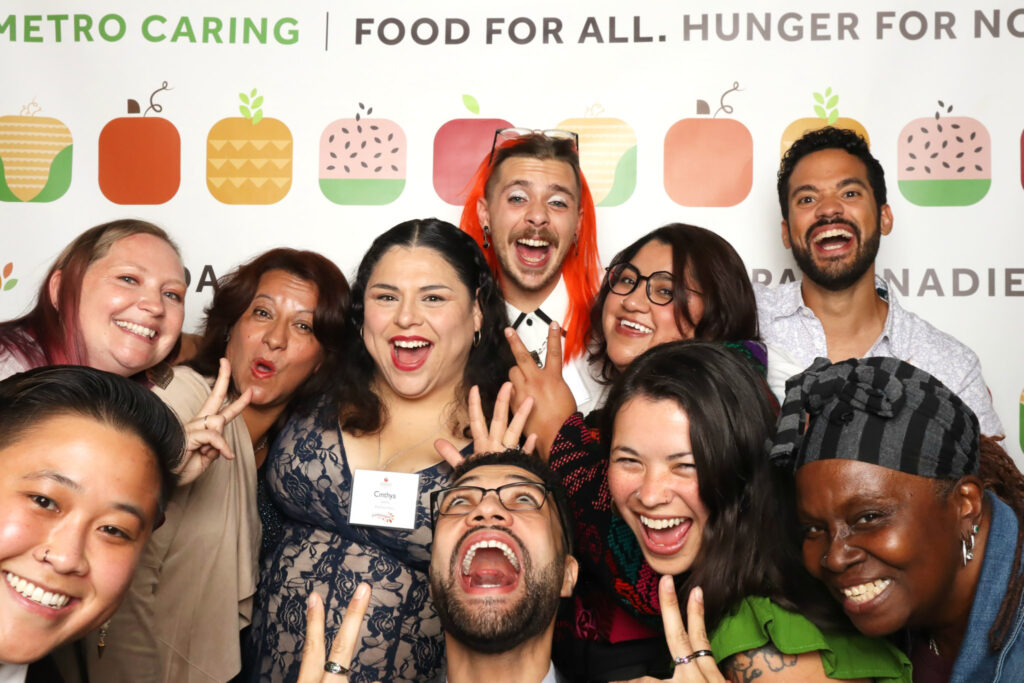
x,y
205,432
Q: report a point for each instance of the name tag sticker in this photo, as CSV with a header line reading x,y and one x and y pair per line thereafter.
x,y
386,499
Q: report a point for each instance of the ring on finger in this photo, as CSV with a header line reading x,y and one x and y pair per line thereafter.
x,y
204,420
693,656
335,668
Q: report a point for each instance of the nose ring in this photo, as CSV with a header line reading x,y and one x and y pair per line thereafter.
x,y
45,553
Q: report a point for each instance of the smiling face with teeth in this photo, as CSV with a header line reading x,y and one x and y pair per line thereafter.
x,y
835,225
533,212
495,574
132,305
418,322
78,500
887,544
632,323
652,477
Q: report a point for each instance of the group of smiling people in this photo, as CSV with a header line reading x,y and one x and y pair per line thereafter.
x,y
170,524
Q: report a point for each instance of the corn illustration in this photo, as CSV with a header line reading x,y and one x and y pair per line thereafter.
x,y
35,157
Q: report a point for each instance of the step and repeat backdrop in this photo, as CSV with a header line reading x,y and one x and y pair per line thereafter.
x,y
240,126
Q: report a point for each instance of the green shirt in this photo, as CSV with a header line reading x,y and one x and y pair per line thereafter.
x,y
757,621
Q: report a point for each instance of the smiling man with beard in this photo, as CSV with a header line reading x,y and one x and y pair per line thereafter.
x,y
834,213
501,560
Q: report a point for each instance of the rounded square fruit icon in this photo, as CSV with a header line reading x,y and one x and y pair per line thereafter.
x,y
140,157
945,160
460,145
607,148
362,160
35,157
709,161
826,112
249,158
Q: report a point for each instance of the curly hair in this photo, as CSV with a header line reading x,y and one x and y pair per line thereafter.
x,y
582,268
362,411
50,333
830,138
730,310
234,293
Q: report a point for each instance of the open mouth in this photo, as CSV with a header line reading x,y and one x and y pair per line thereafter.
x,y
490,564
861,594
833,239
533,252
410,353
263,368
36,594
631,327
667,535
136,329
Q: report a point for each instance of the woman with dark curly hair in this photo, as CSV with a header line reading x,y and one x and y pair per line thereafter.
x,y
426,325
272,340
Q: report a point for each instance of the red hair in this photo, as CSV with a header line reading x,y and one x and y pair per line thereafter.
x,y
581,270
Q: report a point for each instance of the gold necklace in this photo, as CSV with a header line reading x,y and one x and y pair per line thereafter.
x,y
384,465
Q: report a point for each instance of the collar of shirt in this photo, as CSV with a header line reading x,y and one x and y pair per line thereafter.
x,y
531,326
549,677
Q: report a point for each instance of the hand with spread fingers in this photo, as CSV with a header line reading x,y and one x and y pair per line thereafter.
x,y
552,397
501,434
205,432
336,667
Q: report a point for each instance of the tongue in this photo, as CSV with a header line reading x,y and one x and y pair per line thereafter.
x,y
490,567
669,536
531,254
411,356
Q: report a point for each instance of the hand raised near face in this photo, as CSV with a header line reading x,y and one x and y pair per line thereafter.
x,y
553,400
499,435
205,432
314,665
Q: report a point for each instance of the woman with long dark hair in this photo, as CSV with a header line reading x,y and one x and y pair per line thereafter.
x,y
426,325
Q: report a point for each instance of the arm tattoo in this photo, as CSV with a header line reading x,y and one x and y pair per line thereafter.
x,y
744,667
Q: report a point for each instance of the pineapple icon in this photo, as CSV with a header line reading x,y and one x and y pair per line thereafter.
x,y
249,158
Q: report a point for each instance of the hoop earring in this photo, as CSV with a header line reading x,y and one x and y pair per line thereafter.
x,y
967,546
476,338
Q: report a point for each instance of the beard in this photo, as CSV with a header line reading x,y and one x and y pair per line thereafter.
x,y
492,625
835,276
511,267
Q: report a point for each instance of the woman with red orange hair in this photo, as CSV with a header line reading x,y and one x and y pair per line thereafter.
x,y
531,211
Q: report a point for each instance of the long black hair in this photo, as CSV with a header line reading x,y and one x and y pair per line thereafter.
x,y
489,360
749,546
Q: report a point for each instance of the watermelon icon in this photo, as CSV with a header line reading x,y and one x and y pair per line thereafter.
x,y
362,160
945,160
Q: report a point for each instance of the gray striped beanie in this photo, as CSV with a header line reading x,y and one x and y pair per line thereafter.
x,y
881,411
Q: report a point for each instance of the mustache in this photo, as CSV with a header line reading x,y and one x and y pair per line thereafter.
x,y
836,221
541,234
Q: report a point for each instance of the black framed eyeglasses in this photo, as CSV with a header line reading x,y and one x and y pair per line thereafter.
x,y
518,496
624,277
515,133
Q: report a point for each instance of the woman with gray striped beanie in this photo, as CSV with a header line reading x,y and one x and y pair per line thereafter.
x,y
911,518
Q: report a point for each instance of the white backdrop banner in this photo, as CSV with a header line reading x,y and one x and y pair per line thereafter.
x,y
320,124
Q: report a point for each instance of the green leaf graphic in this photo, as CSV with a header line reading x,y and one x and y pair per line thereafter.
x,y
245,98
471,103
10,284
253,93
833,116
828,91
819,98
820,111
258,102
245,111
833,101
257,117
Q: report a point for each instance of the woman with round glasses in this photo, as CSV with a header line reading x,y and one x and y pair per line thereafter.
x,y
677,282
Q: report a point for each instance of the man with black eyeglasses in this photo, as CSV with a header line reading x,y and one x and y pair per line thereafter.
x,y
501,559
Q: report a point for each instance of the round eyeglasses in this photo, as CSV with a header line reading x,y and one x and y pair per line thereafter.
x,y
624,277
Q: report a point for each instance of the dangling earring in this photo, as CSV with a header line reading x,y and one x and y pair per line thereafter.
x,y
967,546
487,232
102,642
476,338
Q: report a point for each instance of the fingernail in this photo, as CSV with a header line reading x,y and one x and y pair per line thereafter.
x,y
311,600
698,595
554,325
362,590
509,332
